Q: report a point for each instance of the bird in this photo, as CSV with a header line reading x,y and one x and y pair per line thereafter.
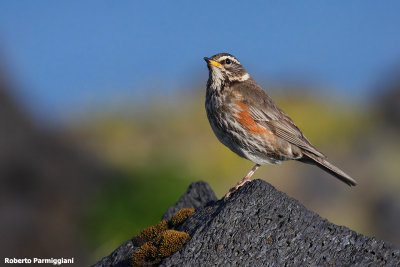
x,y
246,120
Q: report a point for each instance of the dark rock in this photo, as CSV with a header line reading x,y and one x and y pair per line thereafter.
x,y
260,226
120,257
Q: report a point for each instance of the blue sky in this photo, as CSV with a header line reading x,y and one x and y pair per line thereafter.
x,y
67,54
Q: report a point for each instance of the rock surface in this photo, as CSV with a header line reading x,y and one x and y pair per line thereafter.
x,y
260,226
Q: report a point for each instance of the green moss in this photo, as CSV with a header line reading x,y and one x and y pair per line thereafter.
x,y
157,242
146,255
170,241
180,217
164,245
151,232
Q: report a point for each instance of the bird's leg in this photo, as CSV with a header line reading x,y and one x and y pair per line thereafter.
x,y
243,181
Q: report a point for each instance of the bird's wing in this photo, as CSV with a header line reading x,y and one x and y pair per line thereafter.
x,y
266,113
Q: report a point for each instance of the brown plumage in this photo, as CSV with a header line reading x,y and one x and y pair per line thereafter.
x,y
246,120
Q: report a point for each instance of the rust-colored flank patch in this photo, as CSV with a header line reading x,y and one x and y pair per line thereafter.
x,y
244,118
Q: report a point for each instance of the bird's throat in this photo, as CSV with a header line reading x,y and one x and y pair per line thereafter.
x,y
217,80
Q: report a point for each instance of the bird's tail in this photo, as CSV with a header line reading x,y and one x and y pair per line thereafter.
x,y
310,158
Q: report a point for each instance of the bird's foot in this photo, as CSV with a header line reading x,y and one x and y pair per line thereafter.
x,y
243,181
237,186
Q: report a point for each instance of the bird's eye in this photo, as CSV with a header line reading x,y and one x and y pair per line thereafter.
x,y
227,61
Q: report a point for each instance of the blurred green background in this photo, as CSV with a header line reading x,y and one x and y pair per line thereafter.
x,y
103,125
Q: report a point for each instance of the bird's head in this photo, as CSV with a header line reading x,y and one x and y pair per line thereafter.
x,y
224,68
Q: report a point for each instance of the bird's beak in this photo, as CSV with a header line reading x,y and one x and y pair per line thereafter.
x,y
213,63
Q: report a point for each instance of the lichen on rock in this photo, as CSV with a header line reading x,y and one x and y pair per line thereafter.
x,y
151,232
170,241
180,217
145,255
159,241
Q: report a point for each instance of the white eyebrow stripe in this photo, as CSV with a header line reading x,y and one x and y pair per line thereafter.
x,y
230,57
